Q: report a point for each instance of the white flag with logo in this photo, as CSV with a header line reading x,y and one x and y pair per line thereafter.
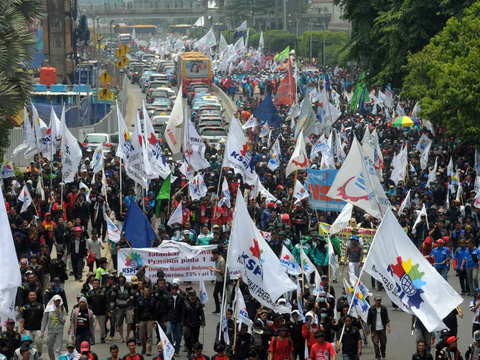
x,y
405,203
356,183
87,190
251,254
168,349
224,331
423,211
97,163
251,123
7,169
203,292
411,281
307,264
39,188
25,197
332,261
319,147
242,310
423,143
176,217
193,146
237,152
299,160
275,155
48,147
225,193
288,262
300,192
113,232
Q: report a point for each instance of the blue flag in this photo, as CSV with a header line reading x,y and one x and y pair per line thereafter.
x,y
237,35
327,82
268,112
139,231
361,103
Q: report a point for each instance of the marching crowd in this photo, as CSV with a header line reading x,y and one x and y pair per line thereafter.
x,y
70,220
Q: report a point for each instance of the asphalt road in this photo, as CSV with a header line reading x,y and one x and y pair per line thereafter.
x,y
400,346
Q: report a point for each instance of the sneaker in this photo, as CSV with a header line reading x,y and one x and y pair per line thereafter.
x,y
110,338
215,312
148,354
102,341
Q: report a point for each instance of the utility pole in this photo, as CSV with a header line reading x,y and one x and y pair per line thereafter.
x,y
323,52
311,41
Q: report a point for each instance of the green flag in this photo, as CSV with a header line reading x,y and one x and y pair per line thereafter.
x,y
164,193
284,53
357,93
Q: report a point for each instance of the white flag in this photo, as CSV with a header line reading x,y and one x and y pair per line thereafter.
x,y
203,292
71,152
328,162
7,169
138,168
243,26
251,254
224,331
39,188
193,146
405,203
356,183
155,155
225,193
97,162
423,143
423,211
332,261
299,160
113,232
25,197
366,135
275,155
300,192
288,262
173,130
10,277
424,157
432,174
168,349
450,170
319,147
37,131
360,303
414,284
342,221
261,42
176,217
237,153
307,265
251,123
242,310
87,190
49,141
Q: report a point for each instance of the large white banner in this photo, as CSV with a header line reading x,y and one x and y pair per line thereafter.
x,y
178,260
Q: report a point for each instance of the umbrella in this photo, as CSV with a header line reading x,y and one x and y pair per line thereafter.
x,y
404,121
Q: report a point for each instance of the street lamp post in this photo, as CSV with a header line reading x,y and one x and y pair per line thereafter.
x,y
323,52
311,41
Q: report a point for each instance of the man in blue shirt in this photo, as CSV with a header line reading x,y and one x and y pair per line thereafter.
x,y
470,264
459,255
441,255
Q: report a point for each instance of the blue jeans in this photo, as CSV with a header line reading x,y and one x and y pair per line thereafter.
x,y
174,334
80,338
350,357
443,272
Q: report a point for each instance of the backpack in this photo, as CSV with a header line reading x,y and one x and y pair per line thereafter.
x,y
290,343
474,256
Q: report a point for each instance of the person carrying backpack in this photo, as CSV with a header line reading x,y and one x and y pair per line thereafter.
x,y
281,347
473,351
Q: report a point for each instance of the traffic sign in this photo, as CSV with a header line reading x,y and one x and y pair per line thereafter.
x,y
105,77
122,51
105,94
122,62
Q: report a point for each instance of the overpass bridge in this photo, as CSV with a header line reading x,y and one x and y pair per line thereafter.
x,y
116,12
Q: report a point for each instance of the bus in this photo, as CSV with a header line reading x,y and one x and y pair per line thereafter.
x,y
193,67
150,30
179,30
125,38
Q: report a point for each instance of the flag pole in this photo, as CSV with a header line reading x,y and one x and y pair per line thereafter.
x,y
294,184
303,272
103,183
121,195
236,316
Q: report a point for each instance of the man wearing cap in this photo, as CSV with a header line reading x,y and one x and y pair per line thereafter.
x,y
85,351
378,324
121,302
144,315
473,351
54,320
442,256
193,318
322,349
175,305
266,216
82,324
78,253
71,354
281,347
450,351
11,338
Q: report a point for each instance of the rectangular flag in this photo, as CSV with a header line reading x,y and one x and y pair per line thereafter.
x,y
286,90
97,163
332,261
250,253
113,232
203,292
299,159
176,217
242,310
139,232
288,262
300,192
168,349
25,197
409,279
319,183
71,152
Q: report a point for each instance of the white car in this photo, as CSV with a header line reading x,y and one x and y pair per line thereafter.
x,y
212,135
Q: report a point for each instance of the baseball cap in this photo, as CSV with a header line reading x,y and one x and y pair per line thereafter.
x,y
451,340
378,297
476,335
444,332
78,228
319,334
84,346
70,344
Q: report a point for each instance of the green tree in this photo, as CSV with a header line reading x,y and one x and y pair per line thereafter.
x,y
385,32
16,44
444,77
277,40
336,46
229,34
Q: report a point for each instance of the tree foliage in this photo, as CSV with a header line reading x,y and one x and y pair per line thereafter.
x,y
16,45
275,40
336,44
229,35
444,77
385,32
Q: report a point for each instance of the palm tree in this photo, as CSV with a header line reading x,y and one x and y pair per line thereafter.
x,y
17,47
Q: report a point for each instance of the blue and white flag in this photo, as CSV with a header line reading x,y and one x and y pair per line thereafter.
x,y
113,232
7,169
168,349
275,155
226,338
97,159
225,193
243,26
288,262
25,197
405,203
203,292
332,261
243,317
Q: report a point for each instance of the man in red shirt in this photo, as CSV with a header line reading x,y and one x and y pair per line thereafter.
x,y
132,351
322,350
71,199
281,347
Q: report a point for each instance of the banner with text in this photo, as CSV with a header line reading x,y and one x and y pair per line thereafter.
x,y
178,260
319,183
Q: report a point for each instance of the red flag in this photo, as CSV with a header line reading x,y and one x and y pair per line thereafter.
x,y
286,90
